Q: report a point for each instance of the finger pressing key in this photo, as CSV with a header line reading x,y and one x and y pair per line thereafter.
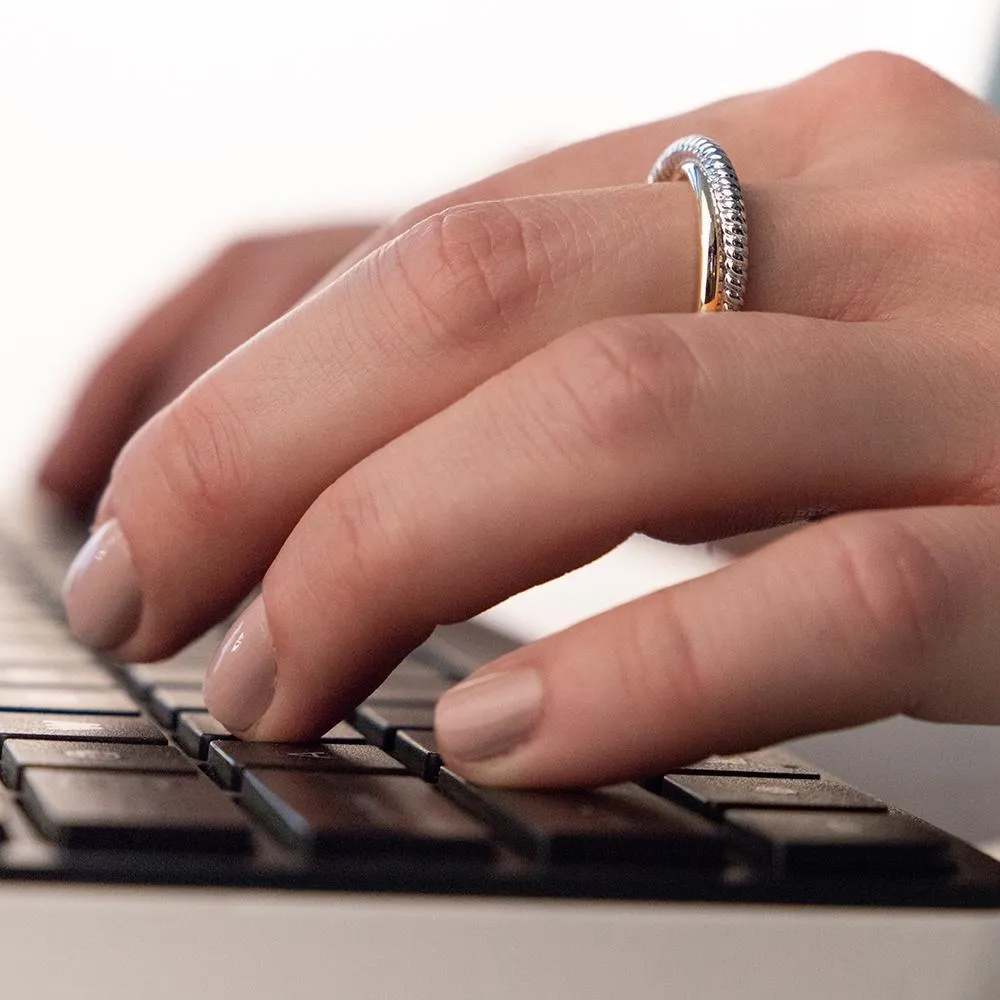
x,y
648,424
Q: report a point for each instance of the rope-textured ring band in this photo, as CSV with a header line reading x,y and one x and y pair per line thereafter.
x,y
721,218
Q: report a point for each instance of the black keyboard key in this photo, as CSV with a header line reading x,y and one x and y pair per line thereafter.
x,y
413,671
808,840
712,793
19,754
343,732
166,703
99,728
40,675
759,764
409,689
378,723
621,823
195,732
101,809
144,676
228,759
461,648
88,701
353,813
417,749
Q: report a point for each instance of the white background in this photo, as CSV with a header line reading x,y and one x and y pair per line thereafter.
x,y
137,136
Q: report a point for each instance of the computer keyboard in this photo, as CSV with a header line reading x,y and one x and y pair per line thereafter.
x,y
117,774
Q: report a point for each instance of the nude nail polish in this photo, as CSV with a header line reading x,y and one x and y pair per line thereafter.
x,y
101,591
488,716
240,682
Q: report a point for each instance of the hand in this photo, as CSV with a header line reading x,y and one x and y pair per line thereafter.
x,y
512,384
245,287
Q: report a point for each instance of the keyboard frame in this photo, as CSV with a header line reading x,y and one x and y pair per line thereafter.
x,y
116,943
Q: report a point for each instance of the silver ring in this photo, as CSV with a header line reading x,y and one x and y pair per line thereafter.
x,y
721,218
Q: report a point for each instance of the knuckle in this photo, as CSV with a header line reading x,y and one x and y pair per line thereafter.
x,y
470,269
420,213
657,668
883,80
357,531
625,380
483,190
201,456
240,251
894,588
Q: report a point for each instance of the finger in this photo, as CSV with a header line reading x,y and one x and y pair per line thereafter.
x,y
101,419
215,482
278,270
116,399
857,618
651,423
246,287
212,484
214,487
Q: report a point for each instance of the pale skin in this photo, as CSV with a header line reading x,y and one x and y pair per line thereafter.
x,y
508,382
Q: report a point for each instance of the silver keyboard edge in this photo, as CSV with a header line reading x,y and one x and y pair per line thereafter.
x,y
115,943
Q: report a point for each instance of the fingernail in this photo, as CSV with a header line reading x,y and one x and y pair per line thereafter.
x,y
488,716
240,682
101,591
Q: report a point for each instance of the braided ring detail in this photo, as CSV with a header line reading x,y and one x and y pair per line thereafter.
x,y
725,251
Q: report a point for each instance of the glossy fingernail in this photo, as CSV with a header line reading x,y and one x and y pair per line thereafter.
x,y
101,591
489,715
240,682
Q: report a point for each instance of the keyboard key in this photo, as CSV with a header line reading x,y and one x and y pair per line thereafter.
x,y
759,764
19,754
621,823
21,653
352,813
800,839
166,702
40,675
459,649
414,669
228,759
100,728
343,732
90,701
399,691
378,723
141,677
195,732
417,749
101,809
714,793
